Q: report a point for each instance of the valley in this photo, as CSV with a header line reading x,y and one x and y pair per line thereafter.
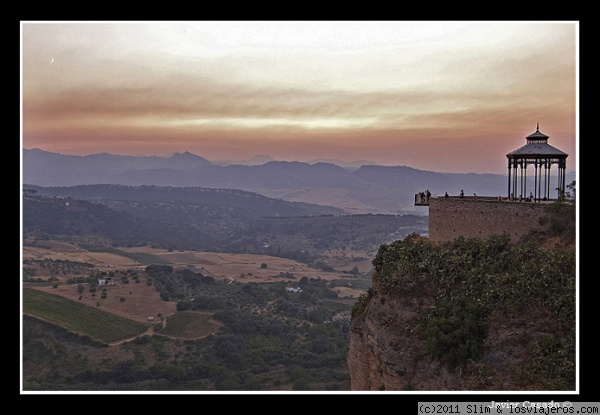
x,y
170,288
236,335
143,300
130,288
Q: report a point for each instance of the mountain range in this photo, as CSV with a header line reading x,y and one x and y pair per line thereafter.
x,y
264,158
369,188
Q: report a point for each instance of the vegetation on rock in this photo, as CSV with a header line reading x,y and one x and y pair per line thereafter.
x,y
473,278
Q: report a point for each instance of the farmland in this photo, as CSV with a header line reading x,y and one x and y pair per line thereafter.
x,y
136,300
209,333
238,334
89,321
190,325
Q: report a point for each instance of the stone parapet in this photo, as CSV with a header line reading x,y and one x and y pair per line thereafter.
x,y
481,217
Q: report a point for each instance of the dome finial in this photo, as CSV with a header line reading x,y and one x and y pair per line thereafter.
x,y
538,127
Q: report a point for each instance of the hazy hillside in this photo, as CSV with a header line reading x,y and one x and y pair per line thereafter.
x,y
368,189
171,217
222,220
250,205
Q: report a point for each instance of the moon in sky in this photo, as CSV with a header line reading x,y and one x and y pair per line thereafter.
x,y
51,60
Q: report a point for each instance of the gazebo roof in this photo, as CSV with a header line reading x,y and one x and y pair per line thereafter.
x,y
537,149
537,146
538,135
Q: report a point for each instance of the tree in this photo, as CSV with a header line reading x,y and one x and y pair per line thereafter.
x,y
263,265
563,195
301,384
571,186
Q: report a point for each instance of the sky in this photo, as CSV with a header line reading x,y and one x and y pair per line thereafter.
x,y
444,96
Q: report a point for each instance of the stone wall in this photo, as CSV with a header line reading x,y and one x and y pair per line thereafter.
x,y
480,217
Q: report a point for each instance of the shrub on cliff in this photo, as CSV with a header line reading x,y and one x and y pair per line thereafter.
x,y
473,277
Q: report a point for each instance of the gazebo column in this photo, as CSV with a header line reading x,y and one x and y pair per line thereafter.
x,y
536,195
548,167
524,178
562,175
514,179
509,176
539,180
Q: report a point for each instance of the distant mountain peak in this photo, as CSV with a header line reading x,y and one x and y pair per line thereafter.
x,y
260,159
186,154
346,164
187,160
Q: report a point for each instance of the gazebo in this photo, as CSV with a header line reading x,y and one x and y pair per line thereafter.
x,y
542,156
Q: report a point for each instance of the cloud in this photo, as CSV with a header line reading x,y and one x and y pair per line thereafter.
x,y
397,91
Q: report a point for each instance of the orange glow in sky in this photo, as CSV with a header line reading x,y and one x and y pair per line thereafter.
x,y
440,96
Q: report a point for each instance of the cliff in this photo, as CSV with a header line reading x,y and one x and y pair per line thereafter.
x,y
473,314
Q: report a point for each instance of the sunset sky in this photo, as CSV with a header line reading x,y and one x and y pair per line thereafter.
x,y
440,96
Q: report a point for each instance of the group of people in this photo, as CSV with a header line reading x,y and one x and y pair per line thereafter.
x,y
530,198
462,194
425,195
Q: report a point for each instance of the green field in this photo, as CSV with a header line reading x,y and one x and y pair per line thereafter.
x,y
190,325
89,321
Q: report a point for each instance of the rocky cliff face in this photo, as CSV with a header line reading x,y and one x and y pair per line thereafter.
x,y
386,354
389,350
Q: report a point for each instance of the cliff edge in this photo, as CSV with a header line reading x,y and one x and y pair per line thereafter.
x,y
469,315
